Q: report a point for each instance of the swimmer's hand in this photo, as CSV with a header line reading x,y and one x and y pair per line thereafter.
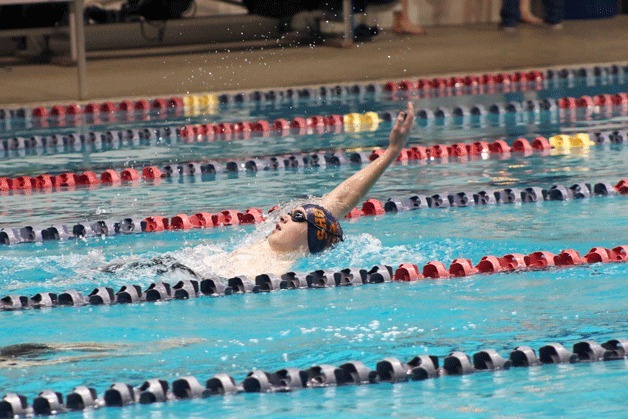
x,y
402,128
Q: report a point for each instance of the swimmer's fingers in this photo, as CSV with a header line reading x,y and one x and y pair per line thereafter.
x,y
405,119
410,115
401,117
408,120
403,126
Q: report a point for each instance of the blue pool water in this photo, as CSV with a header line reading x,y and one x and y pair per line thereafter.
x,y
301,328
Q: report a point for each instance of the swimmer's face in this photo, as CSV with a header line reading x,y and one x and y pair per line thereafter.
x,y
288,235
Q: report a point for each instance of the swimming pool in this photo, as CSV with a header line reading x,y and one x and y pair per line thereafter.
x,y
301,328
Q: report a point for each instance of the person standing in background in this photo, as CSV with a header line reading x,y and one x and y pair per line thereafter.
x,y
364,30
526,13
511,13
401,15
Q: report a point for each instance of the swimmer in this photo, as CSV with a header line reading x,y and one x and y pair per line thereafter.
x,y
314,227
30,354
309,228
25,355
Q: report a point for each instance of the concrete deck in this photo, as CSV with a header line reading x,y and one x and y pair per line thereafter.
x,y
215,68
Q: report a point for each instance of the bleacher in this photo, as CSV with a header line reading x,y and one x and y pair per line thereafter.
x,y
202,28
215,28
208,21
68,44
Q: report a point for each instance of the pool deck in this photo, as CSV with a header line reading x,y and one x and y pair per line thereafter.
x,y
215,68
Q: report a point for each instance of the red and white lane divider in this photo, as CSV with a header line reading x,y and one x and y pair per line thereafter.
x,y
371,207
322,278
472,84
441,153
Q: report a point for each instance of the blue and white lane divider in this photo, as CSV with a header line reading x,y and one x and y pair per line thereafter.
x,y
288,379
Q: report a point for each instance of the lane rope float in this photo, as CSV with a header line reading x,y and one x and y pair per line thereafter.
x,y
436,87
371,207
317,124
322,278
355,121
206,170
288,379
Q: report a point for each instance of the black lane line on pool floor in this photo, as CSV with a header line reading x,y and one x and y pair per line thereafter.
x,y
388,370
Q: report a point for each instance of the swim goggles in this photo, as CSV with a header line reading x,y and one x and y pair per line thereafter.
x,y
299,216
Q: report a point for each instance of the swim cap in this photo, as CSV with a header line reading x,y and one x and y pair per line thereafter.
x,y
323,230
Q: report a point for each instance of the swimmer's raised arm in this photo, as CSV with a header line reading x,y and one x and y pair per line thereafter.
x,y
345,196
313,228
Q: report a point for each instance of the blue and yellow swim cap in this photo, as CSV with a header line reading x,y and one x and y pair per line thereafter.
x,y
323,229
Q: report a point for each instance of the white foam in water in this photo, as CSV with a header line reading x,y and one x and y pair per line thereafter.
x,y
362,251
205,260
214,259
55,268
211,259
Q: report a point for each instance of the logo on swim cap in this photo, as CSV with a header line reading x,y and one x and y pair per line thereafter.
x,y
323,229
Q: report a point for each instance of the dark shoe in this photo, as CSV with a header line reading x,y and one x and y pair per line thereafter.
x,y
362,33
374,30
